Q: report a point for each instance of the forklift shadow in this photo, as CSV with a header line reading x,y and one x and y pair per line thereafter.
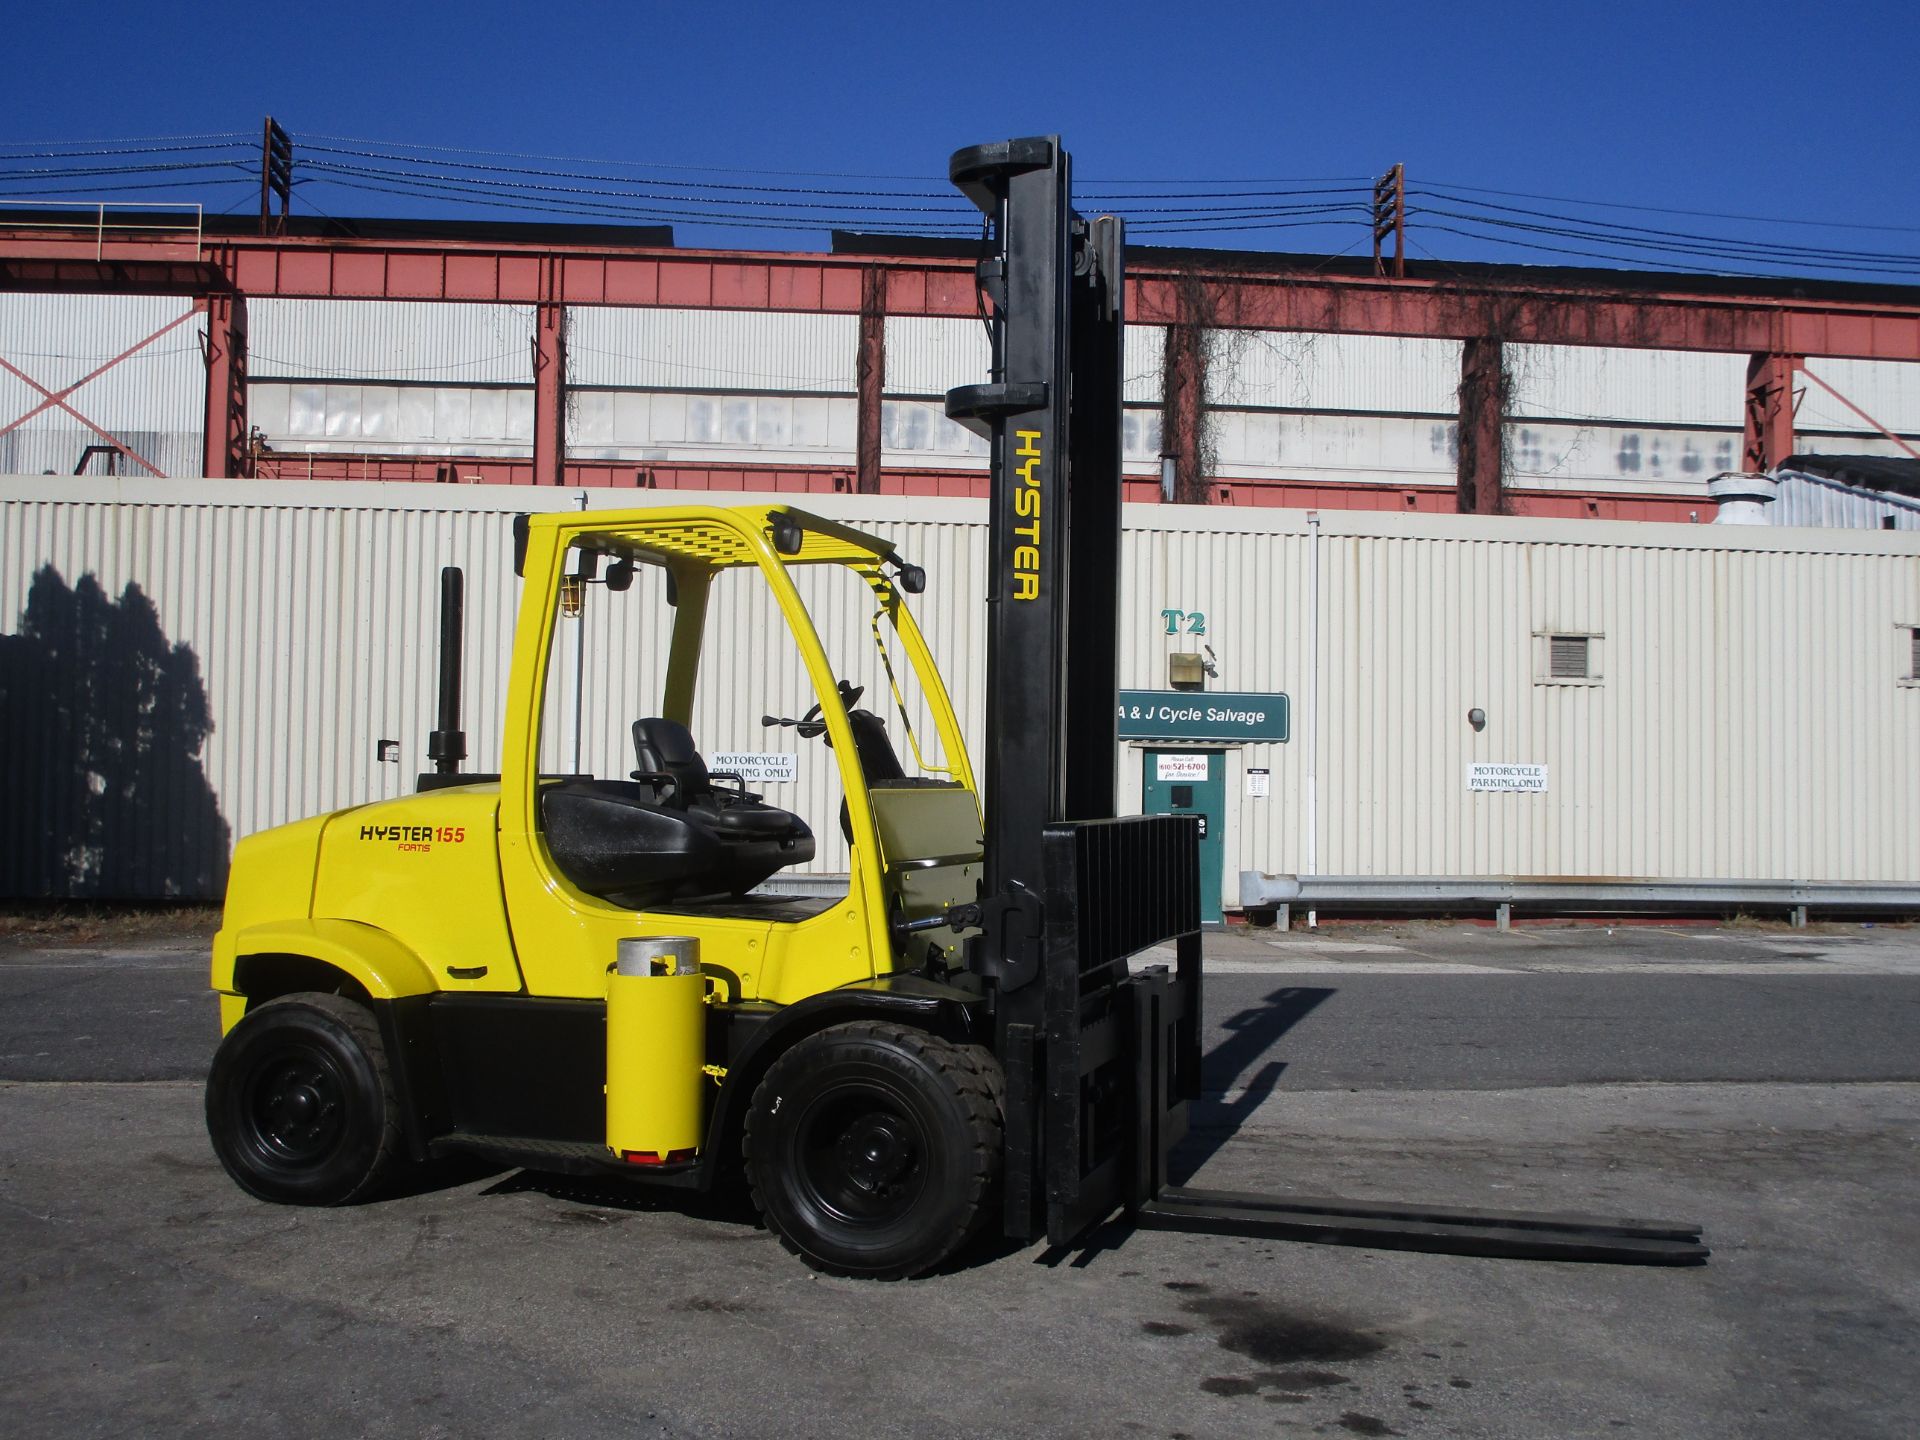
x,y
1220,1111
725,1204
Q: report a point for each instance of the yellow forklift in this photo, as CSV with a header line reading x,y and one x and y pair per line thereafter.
x,y
597,970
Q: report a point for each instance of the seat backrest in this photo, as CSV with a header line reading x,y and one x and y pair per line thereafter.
x,y
667,746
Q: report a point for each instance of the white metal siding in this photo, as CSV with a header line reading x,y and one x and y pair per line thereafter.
x,y
1749,722
1653,387
742,429
392,419
716,350
153,401
1308,371
930,355
1817,501
1620,459
1888,390
1143,355
391,341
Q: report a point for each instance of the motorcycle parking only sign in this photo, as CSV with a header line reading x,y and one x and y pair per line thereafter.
x,y
758,767
1525,779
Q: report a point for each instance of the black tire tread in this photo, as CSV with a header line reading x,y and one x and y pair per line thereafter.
x,y
975,1077
358,1021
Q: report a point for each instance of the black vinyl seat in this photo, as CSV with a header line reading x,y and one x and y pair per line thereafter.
x,y
664,751
670,833
667,758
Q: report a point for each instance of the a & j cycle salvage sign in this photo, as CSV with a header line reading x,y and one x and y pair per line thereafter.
x,y
1228,715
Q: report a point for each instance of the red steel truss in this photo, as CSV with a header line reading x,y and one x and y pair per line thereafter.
x,y
221,272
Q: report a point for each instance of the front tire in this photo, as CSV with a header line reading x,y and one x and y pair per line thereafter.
x,y
300,1103
873,1149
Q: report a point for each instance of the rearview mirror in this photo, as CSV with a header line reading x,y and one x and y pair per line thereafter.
x,y
787,535
520,544
620,576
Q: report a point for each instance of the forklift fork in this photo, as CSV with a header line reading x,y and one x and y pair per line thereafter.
x,y
1107,1142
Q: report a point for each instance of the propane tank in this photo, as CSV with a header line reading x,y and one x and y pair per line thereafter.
x,y
656,1044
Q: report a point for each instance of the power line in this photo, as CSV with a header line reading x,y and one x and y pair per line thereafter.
x,y
1606,227
653,192
1729,250
1667,210
482,184
234,135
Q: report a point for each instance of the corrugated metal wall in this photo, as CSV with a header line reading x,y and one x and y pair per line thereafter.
x,y
1659,387
718,350
1815,500
772,388
153,401
1335,372
415,341
1750,720
929,355
1887,390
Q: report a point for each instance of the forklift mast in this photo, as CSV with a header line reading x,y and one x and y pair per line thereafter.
x,y
1051,412
1100,1064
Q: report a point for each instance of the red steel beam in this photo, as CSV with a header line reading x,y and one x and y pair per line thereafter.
x,y
549,392
1767,431
1542,313
870,371
226,415
1183,368
1482,434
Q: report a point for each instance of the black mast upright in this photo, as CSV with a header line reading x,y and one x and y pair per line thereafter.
x,y
1051,411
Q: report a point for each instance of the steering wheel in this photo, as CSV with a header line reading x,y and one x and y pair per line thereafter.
x,y
810,724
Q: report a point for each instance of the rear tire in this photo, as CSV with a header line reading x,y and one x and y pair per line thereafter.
x,y
873,1149
300,1103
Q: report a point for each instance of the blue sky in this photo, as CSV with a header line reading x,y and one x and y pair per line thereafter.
x,y
1790,112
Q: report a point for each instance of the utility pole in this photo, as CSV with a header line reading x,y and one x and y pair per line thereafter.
x,y
276,177
1390,218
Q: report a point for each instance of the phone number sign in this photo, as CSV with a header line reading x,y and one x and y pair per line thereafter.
x,y
1202,715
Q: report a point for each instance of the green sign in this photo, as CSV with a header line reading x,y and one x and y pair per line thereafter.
x,y
1202,715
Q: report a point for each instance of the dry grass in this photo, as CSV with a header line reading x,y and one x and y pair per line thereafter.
x,y
79,922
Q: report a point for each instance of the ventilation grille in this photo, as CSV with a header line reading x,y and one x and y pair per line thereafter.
x,y
1567,657
1913,660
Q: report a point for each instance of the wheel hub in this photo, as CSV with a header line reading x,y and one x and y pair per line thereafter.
x,y
299,1110
875,1152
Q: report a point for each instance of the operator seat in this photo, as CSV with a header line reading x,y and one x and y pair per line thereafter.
x,y
664,752
669,834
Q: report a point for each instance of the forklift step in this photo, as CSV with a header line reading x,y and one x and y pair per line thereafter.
x,y
1435,1229
556,1157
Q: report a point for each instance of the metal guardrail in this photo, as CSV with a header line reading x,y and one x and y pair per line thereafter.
x,y
98,219
1503,894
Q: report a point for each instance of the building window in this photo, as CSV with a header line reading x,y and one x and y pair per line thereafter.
x,y
1567,657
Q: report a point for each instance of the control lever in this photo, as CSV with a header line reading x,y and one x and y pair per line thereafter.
x,y
956,917
809,725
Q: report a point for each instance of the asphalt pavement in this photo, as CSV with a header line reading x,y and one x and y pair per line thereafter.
x,y
1759,1081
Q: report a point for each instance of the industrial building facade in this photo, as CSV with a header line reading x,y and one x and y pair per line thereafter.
x,y
559,356
1464,695
1397,496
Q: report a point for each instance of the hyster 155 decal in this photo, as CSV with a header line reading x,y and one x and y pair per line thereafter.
x,y
409,838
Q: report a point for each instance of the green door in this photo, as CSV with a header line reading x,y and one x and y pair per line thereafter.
x,y
1192,782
